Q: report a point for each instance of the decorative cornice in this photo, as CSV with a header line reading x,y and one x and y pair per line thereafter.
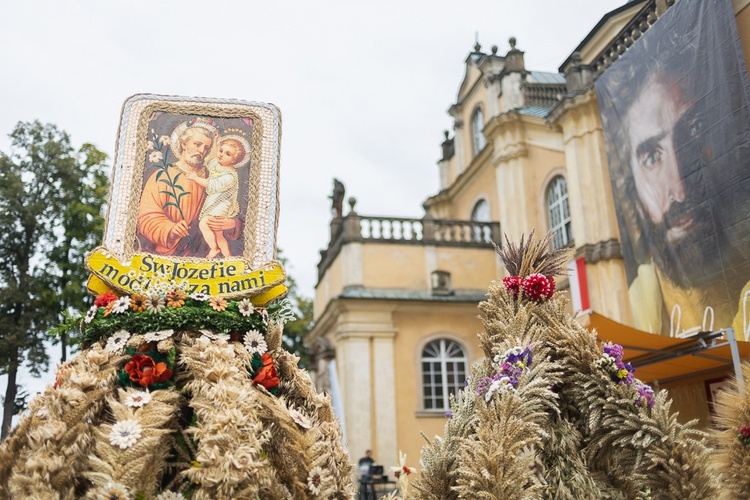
x,y
511,152
504,122
603,250
569,103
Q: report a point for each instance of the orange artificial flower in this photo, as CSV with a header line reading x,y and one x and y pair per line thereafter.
x,y
144,372
266,376
175,299
109,308
138,302
218,304
105,299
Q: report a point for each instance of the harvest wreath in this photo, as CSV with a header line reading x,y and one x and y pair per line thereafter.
x,y
179,396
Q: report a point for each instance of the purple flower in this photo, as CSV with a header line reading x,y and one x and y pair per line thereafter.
x,y
614,350
645,396
448,414
484,385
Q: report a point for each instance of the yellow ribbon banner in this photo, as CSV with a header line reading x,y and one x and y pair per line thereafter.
x,y
230,277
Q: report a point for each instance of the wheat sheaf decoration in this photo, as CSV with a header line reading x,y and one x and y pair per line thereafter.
x,y
551,413
178,396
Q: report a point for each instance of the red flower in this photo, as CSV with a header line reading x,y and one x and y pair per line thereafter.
x,y
512,284
266,376
535,286
551,287
745,431
105,299
144,371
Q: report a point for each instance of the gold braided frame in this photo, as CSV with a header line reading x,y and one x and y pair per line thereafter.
x,y
127,173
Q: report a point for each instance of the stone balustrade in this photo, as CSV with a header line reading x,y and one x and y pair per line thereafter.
x,y
542,94
400,230
629,34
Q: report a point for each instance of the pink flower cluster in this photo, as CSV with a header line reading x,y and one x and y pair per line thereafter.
x,y
534,286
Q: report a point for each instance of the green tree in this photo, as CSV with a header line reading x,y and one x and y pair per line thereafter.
x,y
295,331
82,229
45,187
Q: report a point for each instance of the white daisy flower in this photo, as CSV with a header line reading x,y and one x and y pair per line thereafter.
x,y
200,297
517,351
215,336
499,386
150,145
138,399
300,418
169,495
254,342
315,480
158,336
246,307
114,491
121,305
606,361
164,140
154,304
125,434
90,315
117,342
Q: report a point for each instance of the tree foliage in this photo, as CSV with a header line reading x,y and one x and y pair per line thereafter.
x,y
295,331
51,198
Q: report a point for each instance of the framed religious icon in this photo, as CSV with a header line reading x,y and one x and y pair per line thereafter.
x,y
194,197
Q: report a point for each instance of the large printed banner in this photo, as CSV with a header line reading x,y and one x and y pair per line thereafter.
x,y
676,124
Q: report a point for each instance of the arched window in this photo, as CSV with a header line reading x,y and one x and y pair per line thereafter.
x,y
559,213
481,213
477,124
444,366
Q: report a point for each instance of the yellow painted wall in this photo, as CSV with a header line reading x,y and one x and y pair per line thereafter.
x,y
416,325
608,290
329,286
593,213
481,185
478,97
541,165
470,268
394,266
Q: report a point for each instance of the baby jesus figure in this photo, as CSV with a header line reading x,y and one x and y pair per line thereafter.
x,y
222,189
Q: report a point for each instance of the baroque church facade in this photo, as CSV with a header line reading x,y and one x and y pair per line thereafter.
x,y
396,300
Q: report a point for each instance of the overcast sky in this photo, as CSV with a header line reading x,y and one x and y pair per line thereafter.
x,y
363,87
